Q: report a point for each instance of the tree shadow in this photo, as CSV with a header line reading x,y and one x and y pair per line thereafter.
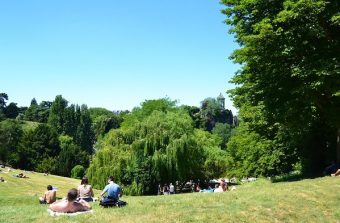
x,y
294,176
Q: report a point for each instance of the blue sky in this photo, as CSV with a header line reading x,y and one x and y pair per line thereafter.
x,y
114,54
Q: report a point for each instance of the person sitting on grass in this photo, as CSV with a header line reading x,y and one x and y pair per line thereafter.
x,y
114,192
221,187
337,173
70,205
50,196
85,191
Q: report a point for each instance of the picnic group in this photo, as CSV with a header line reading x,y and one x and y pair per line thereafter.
x,y
79,199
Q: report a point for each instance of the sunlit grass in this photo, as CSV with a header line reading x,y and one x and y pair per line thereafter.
x,y
310,200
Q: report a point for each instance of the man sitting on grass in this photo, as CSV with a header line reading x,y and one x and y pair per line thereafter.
x,y
70,205
49,196
113,193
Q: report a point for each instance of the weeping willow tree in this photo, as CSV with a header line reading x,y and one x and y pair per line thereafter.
x,y
161,148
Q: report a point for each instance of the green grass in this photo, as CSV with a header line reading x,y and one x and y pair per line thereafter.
x,y
310,200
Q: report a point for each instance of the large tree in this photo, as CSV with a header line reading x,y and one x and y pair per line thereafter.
x,y
157,143
290,57
57,114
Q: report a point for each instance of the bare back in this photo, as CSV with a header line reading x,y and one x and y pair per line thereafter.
x,y
50,196
69,206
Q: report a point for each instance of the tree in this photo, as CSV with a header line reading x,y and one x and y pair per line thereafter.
x,y
34,102
36,145
56,117
212,112
3,99
85,135
12,110
70,156
10,137
158,145
290,56
78,172
103,124
104,120
224,132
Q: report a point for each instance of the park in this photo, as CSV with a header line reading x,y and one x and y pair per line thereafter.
x,y
121,104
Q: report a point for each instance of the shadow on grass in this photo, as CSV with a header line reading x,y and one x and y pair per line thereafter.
x,y
294,176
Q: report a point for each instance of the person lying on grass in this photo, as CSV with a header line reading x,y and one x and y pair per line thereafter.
x,y
70,205
49,196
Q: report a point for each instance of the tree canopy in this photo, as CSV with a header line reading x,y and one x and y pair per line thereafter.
x,y
290,73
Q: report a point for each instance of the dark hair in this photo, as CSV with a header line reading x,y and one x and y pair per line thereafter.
x,y
72,194
84,181
110,178
49,187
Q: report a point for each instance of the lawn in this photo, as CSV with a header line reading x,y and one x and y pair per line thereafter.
x,y
309,200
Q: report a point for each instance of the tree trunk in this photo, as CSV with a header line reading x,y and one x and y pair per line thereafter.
x,y
338,147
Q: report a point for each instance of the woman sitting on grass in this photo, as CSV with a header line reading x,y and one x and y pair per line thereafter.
x,y
70,205
337,173
85,191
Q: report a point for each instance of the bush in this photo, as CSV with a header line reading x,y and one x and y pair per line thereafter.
x,y
133,190
78,172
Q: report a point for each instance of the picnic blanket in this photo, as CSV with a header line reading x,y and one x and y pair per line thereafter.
x,y
53,213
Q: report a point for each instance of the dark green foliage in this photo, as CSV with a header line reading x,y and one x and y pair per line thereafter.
x,y
37,113
78,172
104,120
70,156
289,52
10,135
224,132
74,121
194,113
3,99
47,165
12,111
36,145
57,114
212,112
103,124
85,135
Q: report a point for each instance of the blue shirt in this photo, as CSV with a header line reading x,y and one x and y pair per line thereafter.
x,y
113,190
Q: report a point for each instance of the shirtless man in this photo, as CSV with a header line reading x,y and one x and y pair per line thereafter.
x,y
49,196
70,205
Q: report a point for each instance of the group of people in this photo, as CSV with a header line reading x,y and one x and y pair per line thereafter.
x,y
21,175
78,199
222,186
166,190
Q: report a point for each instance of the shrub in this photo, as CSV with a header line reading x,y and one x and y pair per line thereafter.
x,y
78,172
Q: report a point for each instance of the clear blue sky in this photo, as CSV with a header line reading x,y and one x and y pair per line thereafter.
x,y
114,54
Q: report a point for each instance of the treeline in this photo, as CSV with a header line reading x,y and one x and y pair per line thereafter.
x,y
51,137
157,142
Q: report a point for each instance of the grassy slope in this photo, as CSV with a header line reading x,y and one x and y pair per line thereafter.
x,y
311,200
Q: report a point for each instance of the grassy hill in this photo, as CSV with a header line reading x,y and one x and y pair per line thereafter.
x,y
310,200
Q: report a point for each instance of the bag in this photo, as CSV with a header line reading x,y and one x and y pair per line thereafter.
x,y
112,203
